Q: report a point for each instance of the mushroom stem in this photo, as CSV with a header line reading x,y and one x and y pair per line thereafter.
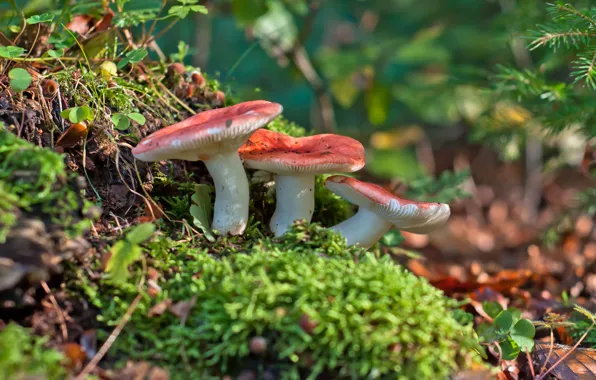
x,y
295,199
230,212
364,228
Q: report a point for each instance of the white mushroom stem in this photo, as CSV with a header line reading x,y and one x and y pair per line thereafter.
x,y
295,199
364,228
230,212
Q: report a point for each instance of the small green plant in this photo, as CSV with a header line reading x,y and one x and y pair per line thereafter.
x,y
78,114
20,79
201,210
127,251
510,333
24,356
122,121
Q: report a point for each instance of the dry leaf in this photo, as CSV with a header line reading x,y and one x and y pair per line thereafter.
x,y
76,355
579,365
182,309
159,308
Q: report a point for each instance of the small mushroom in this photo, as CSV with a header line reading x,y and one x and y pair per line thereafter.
x,y
214,137
379,210
296,161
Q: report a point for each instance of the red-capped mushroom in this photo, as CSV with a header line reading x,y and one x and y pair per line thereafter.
x,y
296,161
214,137
379,210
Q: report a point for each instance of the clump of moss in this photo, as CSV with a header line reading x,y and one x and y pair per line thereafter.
x,y
283,125
24,356
34,179
314,305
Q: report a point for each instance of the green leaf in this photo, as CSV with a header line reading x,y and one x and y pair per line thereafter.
x,y
377,101
515,314
134,116
201,210
509,349
392,238
136,55
133,56
20,79
492,308
36,19
54,53
123,253
121,121
486,332
11,51
141,233
181,11
248,11
523,333
503,321
78,114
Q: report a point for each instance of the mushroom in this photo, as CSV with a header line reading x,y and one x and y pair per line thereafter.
x,y
214,137
379,210
296,161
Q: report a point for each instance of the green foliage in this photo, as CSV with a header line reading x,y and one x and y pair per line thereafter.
x,y
37,19
127,251
23,356
34,179
122,121
20,79
513,334
318,308
78,114
186,7
11,51
134,56
285,126
201,210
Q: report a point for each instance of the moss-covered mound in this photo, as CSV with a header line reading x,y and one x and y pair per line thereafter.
x,y
34,180
24,356
306,305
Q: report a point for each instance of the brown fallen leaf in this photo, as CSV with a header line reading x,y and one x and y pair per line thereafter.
x,y
80,24
105,21
73,135
182,309
159,308
76,355
579,365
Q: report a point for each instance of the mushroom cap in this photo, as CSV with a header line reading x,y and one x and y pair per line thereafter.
x,y
207,133
407,215
279,153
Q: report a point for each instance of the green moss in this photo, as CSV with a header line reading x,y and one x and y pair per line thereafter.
x,y
23,356
284,126
372,317
34,179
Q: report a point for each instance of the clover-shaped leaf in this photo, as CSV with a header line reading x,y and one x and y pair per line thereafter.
x,y
37,19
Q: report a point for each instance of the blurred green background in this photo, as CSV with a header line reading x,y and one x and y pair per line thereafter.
x,y
403,76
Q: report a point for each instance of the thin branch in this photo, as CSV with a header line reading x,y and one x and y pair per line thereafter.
x,y
111,339
63,329
549,37
577,13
